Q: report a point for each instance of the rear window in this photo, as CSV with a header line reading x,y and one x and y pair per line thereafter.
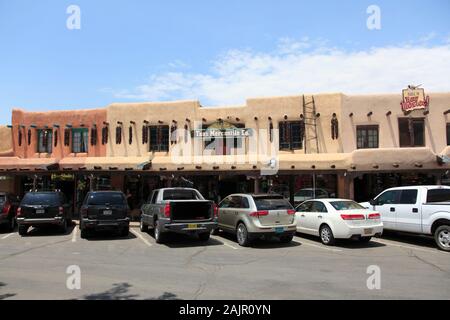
x,y
102,198
46,199
2,198
346,205
181,195
272,204
438,195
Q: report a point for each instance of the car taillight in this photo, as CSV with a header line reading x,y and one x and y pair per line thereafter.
x,y
61,210
374,216
291,212
6,208
352,216
167,210
84,212
216,210
19,211
259,213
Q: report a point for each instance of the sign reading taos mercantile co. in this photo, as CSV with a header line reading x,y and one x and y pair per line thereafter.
x,y
414,99
223,133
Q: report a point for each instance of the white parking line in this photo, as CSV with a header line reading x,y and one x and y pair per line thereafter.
x,y
74,234
303,242
390,243
140,236
7,236
225,243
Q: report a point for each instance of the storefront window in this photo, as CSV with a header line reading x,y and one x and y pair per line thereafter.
x,y
45,138
291,136
159,138
412,132
367,137
80,138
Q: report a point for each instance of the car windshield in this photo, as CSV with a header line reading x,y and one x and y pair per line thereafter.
x,y
102,198
272,204
45,199
174,194
345,205
304,193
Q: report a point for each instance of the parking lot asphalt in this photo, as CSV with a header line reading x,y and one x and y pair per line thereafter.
x,y
135,267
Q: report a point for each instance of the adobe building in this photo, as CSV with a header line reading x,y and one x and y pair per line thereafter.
x,y
325,145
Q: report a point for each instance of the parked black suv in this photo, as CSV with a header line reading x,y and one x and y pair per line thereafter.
x,y
44,208
104,210
8,207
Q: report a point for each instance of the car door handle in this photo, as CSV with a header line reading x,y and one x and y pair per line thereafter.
x,y
415,210
392,209
320,217
303,215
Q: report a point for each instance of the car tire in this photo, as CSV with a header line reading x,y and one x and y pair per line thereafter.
x,y
442,237
23,230
124,231
64,226
159,235
84,233
365,239
242,236
204,236
12,224
326,236
286,239
143,227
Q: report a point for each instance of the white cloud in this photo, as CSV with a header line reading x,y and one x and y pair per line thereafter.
x,y
302,66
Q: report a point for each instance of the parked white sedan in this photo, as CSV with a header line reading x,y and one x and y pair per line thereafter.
x,y
332,219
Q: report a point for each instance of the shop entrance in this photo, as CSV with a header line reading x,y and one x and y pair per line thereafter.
x,y
368,186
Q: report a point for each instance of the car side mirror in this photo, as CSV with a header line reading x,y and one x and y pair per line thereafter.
x,y
373,202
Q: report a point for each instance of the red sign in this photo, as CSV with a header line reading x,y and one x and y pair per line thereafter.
x,y
414,99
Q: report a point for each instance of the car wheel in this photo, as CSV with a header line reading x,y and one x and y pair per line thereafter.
x,y
84,233
442,237
215,232
143,227
326,236
242,235
286,239
23,230
204,236
159,236
12,224
64,226
365,239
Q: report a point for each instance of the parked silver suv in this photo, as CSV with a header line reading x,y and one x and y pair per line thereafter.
x,y
252,216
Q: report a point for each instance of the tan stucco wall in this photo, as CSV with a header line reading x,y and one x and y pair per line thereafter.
x,y
6,144
361,105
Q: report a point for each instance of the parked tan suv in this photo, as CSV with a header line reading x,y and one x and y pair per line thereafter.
x,y
252,216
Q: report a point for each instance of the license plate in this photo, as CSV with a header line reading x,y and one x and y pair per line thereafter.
x,y
279,230
107,212
368,231
40,211
192,226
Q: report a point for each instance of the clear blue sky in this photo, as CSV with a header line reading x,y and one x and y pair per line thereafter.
x,y
45,66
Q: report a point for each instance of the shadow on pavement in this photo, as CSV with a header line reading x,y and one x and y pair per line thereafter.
x,y
4,296
44,231
121,291
272,243
343,243
108,235
407,238
176,240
